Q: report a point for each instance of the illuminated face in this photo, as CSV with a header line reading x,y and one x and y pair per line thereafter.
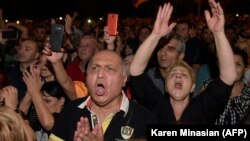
x,y
105,77
45,72
143,34
182,30
179,83
169,54
87,48
27,52
40,34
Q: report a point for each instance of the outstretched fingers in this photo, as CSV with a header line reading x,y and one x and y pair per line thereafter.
x,y
207,15
158,15
215,7
168,12
220,10
163,12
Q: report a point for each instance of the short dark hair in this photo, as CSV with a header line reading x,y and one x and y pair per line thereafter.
x,y
54,89
163,41
242,53
185,21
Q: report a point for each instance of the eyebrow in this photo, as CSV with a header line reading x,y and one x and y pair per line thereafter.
x,y
171,46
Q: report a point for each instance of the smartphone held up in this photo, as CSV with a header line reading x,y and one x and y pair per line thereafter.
x,y
112,23
56,37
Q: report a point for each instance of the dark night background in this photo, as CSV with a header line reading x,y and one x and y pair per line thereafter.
x,y
39,9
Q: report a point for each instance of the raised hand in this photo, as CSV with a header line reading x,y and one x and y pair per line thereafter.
x,y
68,24
10,95
162,26
24,29
75,14
216,21
53,57
33,80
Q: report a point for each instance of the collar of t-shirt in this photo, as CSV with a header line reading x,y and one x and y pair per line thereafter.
x,y
94,120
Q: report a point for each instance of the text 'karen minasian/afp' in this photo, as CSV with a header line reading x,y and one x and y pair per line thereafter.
x,y
166,131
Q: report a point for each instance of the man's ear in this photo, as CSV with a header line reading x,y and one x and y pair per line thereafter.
x,y
62,101
193,87
125,78
181,56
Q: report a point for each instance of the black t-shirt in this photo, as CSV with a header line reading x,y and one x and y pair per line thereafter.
x,y
203,109
137,118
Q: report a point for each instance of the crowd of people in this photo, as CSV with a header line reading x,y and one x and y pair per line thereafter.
x,y
97,87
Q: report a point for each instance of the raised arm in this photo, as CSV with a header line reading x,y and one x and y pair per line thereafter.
x,y
216,23
22,28
61,75
161,28
34,85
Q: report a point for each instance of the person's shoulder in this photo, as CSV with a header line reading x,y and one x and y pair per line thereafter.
x,y
11,65
77,101
150,70
74,104
145,74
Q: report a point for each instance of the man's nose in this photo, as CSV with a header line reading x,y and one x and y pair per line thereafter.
x,y
163,52
100,73
178,75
